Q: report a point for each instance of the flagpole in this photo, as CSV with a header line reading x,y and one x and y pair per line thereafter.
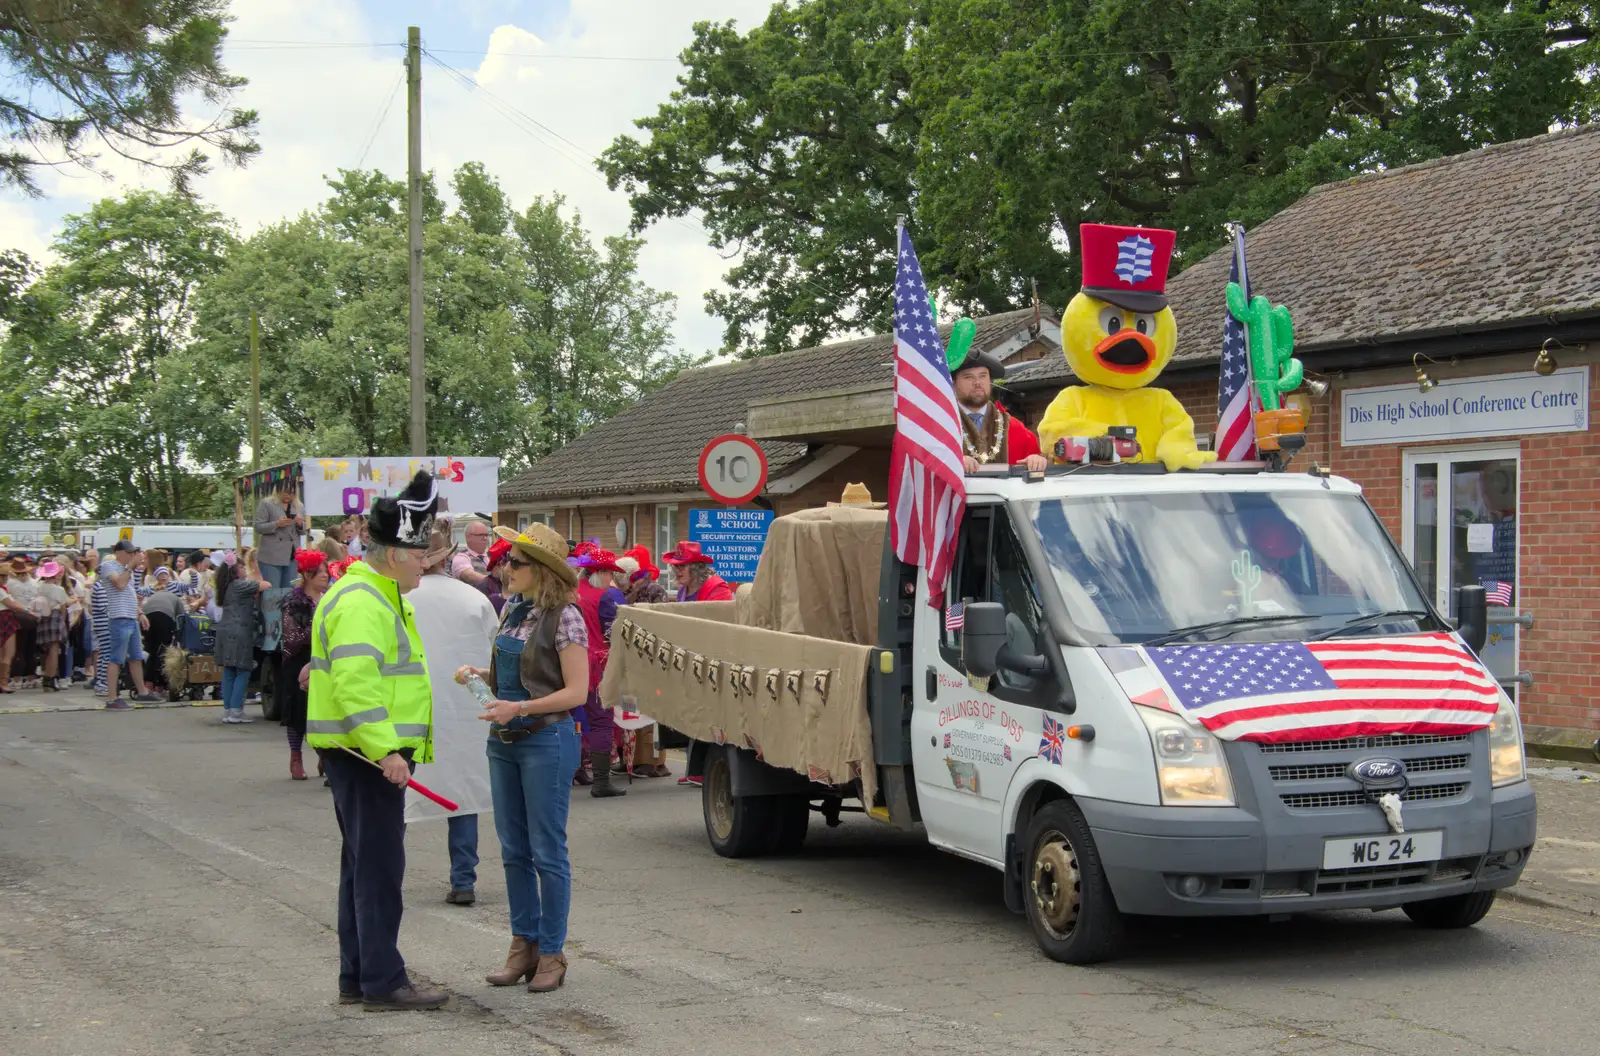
x,y
1236,230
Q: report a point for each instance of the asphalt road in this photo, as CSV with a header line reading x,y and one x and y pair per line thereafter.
x,y
165,889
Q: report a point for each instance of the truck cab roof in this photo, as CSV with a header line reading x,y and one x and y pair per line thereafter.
x,y
1138,479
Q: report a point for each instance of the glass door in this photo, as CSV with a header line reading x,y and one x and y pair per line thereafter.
x,y
1461,527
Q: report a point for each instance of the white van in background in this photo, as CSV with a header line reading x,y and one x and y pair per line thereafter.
x,y
175,538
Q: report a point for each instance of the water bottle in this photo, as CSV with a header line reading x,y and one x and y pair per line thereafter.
x,y
480,690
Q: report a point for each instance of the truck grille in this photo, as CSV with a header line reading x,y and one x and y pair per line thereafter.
x,y
1374,877
1314,775
1362,744
1356,797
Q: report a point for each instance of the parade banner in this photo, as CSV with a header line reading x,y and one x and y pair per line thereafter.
x,y
337,487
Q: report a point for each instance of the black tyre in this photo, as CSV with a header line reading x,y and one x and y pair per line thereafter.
x,y
1453,911
738,826
1064,889
791,815
269,691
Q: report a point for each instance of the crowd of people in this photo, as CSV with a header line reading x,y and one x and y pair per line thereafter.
x,y
526,615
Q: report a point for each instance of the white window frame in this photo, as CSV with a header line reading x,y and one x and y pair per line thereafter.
x,y
544,517
1444,457
670,541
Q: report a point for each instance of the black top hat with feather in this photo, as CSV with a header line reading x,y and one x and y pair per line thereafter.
x,y
406,520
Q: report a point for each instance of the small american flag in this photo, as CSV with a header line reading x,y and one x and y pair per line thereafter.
x,y
955,617
1497,592
1293,691
1236,431
927,487
1052,740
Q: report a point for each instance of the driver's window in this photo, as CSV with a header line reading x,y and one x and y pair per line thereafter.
x,y
990,566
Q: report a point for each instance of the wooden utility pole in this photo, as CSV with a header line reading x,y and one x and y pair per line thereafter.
x,y
419,413
255,390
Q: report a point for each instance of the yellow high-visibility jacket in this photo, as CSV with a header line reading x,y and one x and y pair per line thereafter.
x,y
369,679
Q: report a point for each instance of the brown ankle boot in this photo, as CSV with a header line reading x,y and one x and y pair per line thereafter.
x,y
520,963
551,974
297,770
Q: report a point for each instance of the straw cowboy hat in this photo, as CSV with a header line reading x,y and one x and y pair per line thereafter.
x,y
543,544
857,495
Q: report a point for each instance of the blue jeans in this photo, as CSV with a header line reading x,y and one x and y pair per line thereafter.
x,y
463,851
278,575
234,682
531,783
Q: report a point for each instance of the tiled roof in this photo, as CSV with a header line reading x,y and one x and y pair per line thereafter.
x,y
1481,239
655,445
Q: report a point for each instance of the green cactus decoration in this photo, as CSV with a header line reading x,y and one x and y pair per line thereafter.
x,y
1273,367
1247,574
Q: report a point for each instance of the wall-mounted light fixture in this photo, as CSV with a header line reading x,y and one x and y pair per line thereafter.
x,y
1424,382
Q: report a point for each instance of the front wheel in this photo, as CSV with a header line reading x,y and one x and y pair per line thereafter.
x,y
1065,893
738,826
1452,911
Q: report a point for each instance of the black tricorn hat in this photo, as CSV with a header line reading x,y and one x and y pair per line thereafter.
x,y
406,520
996,369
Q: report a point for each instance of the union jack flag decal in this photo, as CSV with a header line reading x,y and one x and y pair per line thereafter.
x,y
1050,744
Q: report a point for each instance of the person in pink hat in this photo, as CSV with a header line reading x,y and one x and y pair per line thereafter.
x,y
696,581
51,607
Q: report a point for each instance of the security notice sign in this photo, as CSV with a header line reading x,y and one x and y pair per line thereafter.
x,y
731,538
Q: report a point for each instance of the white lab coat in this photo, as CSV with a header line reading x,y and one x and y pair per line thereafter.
x,y
457,625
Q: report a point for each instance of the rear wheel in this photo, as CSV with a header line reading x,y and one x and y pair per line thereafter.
x,y
1452,911
1065,893
738,826
791,815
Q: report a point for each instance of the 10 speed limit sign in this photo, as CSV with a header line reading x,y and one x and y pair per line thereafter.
x,y
733,469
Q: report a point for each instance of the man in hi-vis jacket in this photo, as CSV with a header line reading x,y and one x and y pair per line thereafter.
x,y
369,695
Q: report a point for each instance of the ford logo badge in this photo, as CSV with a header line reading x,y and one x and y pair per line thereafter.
x,y
1379,772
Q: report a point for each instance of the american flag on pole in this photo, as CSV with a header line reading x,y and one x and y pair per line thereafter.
x,y
927,490
1497,592
1293,691
1236,431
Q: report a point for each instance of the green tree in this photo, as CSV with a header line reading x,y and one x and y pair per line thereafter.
x,y
531,334
796,144
116,74
105,422
1000,125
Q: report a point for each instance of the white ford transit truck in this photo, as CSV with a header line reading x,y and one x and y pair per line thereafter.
x,y
1217,692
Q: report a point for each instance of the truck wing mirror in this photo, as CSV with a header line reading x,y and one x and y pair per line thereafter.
x,y
985,643
983,633
1472,613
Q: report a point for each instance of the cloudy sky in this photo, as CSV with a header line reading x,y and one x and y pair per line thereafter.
x,y
327,78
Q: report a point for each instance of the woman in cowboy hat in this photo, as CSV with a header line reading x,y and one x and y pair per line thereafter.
x,y
539,675
51,608
696,581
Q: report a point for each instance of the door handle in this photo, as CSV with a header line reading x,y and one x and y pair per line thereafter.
x,y
931,685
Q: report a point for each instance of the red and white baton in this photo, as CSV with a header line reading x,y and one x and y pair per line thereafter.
x,y
415,785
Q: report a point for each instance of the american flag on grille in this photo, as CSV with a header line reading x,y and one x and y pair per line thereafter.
x,y
1236,431
1293,691
927,492
955,617
1497,592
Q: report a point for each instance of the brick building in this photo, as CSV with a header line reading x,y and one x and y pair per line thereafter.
x,y
1450,275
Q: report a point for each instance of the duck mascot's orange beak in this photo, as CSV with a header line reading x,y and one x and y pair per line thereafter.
x,y
1126,352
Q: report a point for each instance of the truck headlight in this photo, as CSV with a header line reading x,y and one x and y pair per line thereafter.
x,y
1506,763
1190,767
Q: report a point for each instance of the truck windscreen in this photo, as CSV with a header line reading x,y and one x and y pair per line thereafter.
x,y
1245,566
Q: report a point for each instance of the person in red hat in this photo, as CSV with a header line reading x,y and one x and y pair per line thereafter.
x,y
988,434
598,598
642,587
1117,334
692,569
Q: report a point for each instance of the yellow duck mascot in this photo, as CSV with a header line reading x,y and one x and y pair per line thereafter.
x,y
1118,334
